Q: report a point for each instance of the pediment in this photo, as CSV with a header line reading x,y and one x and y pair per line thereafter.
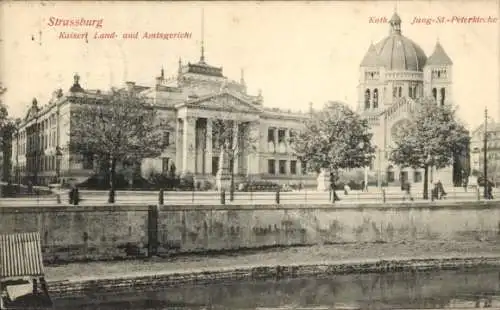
x,y
226,102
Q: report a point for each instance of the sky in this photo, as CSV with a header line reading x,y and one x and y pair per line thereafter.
x,y
296,52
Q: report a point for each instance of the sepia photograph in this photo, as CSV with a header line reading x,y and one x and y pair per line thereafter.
x,y
250,155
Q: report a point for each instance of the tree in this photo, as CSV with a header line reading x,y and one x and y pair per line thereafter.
x,y
432,137
334,138
230,138
117,127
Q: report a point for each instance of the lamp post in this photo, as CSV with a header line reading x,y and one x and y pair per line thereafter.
x,y
430,164
486,153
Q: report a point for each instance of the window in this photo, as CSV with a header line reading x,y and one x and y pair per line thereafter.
x,y
166,138
367,99
282,164
417,177
293,167
375,98
270,135
281,135
394,92
88,161
165,164
434,93
443,93
400,90
271,168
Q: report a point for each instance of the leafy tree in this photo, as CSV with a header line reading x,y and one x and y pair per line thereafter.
x,y
334,138
225,138
117,127
431,137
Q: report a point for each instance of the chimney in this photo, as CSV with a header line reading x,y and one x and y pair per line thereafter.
x,y
130,86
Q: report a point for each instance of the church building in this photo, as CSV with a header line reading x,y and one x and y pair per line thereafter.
x,y
393,74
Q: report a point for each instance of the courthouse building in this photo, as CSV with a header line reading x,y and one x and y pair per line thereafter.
x,y
188,103
393,73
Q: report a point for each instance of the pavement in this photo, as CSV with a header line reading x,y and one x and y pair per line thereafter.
x,y
213,198
339,253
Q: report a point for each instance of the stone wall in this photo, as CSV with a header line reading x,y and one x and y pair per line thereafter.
x,y
82,233
108,232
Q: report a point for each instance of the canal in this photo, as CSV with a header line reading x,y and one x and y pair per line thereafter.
x,y
478,288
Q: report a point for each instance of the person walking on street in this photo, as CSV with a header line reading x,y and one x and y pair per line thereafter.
x,y
363,186
407,191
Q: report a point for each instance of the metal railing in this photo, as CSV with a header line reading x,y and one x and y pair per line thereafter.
x,y
302,197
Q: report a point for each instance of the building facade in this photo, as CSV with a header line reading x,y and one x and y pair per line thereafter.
x,y
188,103
492,153
393,74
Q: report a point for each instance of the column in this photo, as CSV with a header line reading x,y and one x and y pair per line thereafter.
x,y
253,164
188,145
208,150
276,144
236,147
178,146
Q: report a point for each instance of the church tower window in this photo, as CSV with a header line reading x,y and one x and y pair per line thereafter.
x,y
443,94
434,93
367,99
375,98
410,92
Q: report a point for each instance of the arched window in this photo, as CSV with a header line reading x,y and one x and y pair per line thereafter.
x,y
414,91
367,99
439,74
375,98
434,93
443,94
410,92
394,92
400,92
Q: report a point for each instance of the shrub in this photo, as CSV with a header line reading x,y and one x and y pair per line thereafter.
x,y
259,186
186,182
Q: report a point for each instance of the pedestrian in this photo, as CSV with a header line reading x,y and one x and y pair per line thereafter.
x,y
441,191
489,188
363,186
76,196
333,194
407,191
465,183
71,195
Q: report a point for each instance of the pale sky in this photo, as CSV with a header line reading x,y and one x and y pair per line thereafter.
x,y
295,52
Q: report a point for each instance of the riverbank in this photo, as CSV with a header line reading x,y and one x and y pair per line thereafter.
x,y
293,262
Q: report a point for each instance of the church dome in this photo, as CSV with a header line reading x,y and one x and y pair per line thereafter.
x,y
397,52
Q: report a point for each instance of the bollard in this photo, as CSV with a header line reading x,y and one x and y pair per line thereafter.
x,y
278,196
223,197
161,197
383,195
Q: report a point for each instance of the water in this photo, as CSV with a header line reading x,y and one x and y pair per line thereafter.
x,y
447,289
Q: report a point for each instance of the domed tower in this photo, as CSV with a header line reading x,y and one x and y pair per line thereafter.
x,y
437,76
391,69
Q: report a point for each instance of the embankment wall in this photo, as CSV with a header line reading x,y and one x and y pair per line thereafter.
x,y
71,233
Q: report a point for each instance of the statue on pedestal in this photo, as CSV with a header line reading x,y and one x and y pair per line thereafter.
x,y
223,176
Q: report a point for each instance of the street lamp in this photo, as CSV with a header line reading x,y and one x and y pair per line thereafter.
x,y
486,196
430,164
58,163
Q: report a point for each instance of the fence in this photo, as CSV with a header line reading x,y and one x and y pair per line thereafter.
x,y
385,195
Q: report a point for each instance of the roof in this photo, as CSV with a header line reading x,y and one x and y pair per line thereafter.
x,y
371,58
397,52
20,255
439,56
